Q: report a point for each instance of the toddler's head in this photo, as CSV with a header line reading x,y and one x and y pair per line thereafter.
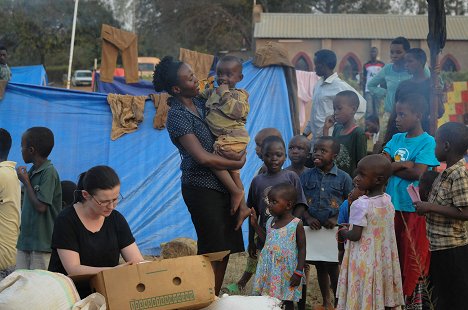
x,y
273,153
451,140
261,135
298,149
372,124
324,153
281,199
425,183
372,172
409,111
345,106
229,71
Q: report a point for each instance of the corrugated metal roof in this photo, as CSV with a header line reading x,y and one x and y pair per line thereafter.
x,y
353,26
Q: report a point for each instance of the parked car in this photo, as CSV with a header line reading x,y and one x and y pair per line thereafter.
x,y
82,77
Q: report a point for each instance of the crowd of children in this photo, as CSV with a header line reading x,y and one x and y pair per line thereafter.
x,y
390,244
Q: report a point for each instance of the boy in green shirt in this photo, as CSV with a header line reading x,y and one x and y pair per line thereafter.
x,y
42,199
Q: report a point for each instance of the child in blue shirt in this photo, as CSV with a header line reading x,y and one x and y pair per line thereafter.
x,y
325,187
411,152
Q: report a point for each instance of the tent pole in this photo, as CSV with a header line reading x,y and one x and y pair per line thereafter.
x,y
72,44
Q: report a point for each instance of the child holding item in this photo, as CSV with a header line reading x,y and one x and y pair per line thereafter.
x,y
446,214
251,265
228,107
326,187
370,275
411,153
42,201
281,262
352,140
298,150
425,183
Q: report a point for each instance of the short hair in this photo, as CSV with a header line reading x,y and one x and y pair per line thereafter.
x,y
165,75
301,138
456,134
418,54
41,138
335,145
326,57
402,41
374,48
68,192
415,101
3,48
352,97
231,58
5,143
381,165
287,190
374,118
272,139
96,178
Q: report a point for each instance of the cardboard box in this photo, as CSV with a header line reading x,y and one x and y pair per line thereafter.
x,y
179,283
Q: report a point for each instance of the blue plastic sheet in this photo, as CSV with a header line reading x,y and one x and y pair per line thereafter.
x,y
146,160
35,75
118,86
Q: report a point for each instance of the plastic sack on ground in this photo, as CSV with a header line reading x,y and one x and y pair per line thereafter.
x,y
38,290
245,303
95,301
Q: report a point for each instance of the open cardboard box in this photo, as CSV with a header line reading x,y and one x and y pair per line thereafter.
x,y
178,283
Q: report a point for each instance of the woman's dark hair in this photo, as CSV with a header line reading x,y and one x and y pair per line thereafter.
x,y
165,75
418,54
403,41
96,178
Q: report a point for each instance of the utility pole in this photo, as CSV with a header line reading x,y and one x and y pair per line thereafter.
x,y
72,44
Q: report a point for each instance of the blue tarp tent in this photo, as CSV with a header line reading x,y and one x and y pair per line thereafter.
x,y
118,86
146,160
35,75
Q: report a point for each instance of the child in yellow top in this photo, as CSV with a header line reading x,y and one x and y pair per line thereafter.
x,y
228,107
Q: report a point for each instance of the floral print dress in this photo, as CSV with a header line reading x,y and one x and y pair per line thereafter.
x,y
370,275
277,262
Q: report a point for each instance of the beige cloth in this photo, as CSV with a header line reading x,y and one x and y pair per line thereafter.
x,y
3,85
272,54
160,104
127,113
200,62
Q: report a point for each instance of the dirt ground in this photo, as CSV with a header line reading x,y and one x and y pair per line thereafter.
x,y
236,268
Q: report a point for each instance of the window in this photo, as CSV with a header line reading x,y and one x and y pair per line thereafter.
x,y
350,67
302,62
449,64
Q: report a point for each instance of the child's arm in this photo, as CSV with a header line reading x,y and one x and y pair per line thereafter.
x,y
408,170
361,145
352,235
423,207
301,255
329,122
373,85
24,178
254,222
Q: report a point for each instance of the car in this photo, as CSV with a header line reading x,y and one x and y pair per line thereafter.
x,y
82,78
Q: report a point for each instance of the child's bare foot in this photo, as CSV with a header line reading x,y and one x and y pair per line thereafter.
x,y
242,214
236,200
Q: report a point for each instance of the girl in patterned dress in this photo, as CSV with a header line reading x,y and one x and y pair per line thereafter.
x,y
370,277
281,263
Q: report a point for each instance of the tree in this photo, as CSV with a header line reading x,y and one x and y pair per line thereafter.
x,y
202,25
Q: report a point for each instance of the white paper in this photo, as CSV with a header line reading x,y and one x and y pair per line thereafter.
x,y
321,244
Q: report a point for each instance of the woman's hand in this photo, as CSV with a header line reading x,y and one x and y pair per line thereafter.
x,y
239,156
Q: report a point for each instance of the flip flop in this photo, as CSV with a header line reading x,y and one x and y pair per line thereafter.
x,y
233,289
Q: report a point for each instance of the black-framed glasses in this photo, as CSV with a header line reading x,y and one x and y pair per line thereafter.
x,y
107,203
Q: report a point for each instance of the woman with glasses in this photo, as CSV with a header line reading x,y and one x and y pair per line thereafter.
x,y
90,236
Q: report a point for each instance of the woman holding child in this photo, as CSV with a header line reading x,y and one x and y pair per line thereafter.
x,y
206,198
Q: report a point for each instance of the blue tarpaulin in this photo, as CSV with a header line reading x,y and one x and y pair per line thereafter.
x,y
118,86
146,160
35,75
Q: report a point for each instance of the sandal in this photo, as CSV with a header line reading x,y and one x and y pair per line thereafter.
x,y
233,289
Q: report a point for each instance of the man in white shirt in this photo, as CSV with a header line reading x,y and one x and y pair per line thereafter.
x,y
325,91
